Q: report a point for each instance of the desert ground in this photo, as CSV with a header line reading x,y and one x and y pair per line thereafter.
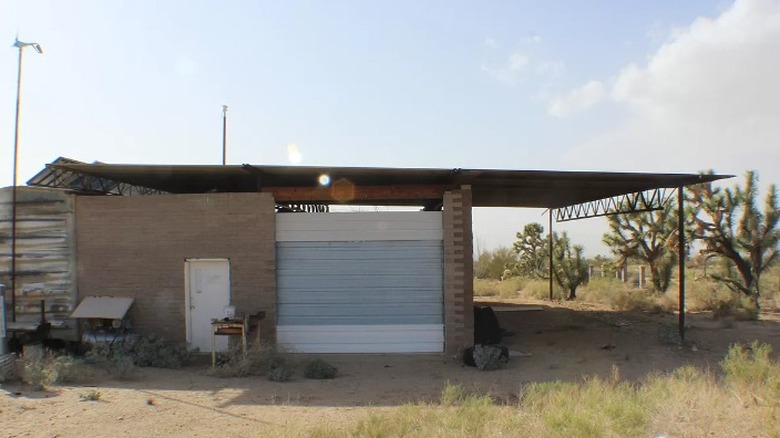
x,y
552,341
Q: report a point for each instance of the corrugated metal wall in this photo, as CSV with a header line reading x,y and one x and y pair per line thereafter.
x,y
360,282
45,254
345,283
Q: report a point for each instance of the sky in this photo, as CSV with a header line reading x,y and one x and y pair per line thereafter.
x,y
623,85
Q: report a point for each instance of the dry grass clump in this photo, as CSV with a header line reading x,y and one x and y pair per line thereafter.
x,y
540,290
40,369
260,360
620,296
508,288
319,369
685,402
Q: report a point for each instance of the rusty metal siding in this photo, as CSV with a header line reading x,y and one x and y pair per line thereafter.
x,y
45,254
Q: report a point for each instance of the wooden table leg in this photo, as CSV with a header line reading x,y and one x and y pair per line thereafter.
x,y
213,348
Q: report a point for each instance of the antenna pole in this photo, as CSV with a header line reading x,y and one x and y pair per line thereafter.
x,y
224,134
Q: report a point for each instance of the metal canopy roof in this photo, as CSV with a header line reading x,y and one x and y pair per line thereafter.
x,y
490,188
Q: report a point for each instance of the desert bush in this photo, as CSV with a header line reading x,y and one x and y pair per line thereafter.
x,y
540,290
8,368
155,351
41,369
260,359
738,307
279,374
485,287
589,408
686,402
488,357
70,370
749,369
91,395
493,264
319,369
508,288
636,300
35,372
114,361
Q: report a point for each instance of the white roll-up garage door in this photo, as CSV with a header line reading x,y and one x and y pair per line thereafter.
x,y
360,282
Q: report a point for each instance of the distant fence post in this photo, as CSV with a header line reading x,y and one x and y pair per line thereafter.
x,y
642,276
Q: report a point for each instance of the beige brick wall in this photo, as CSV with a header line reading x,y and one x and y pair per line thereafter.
x,y
136,246
458,270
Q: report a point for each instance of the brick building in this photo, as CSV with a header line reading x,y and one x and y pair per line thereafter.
x,y
187,241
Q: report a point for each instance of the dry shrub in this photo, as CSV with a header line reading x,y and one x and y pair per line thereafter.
x,y
319,369
636,300
685,402
688,402
114,361
738,308
8,368
750,370
508,288
260,360
155,351
40,369
540,290
703,294
486,287
619,296
593,408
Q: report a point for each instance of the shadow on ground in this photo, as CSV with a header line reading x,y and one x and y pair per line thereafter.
x,y
550,342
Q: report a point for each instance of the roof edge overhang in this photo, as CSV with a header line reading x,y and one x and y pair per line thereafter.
x,y
377,185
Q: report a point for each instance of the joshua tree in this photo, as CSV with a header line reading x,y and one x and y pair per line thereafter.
x,y
730,224
650,237
569,266
532,252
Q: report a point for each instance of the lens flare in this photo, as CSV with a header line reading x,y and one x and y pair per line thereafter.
x,y
324,180
293,154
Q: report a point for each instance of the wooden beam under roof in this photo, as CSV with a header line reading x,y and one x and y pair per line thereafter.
x,y
342,191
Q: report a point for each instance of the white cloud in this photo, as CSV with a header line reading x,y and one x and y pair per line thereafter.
x,y
490,43
577,100
532,39
708,97
550,68
515,65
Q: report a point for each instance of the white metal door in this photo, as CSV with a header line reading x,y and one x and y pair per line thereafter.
x,y
207,283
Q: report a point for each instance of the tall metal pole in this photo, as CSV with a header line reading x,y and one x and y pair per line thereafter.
x,y
224,134
13,189
550,245
681,257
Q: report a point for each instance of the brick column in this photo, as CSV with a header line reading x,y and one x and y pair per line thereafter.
x,y
458,270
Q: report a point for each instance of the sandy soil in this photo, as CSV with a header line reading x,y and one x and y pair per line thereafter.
x,y
565,342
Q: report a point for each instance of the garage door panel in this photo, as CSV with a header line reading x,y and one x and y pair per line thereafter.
x,y
363,282
374,295
373,338
317,320
422,313
374,250
350,226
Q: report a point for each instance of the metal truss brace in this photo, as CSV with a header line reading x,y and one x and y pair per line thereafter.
x,y
302,208
648,200
58,177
